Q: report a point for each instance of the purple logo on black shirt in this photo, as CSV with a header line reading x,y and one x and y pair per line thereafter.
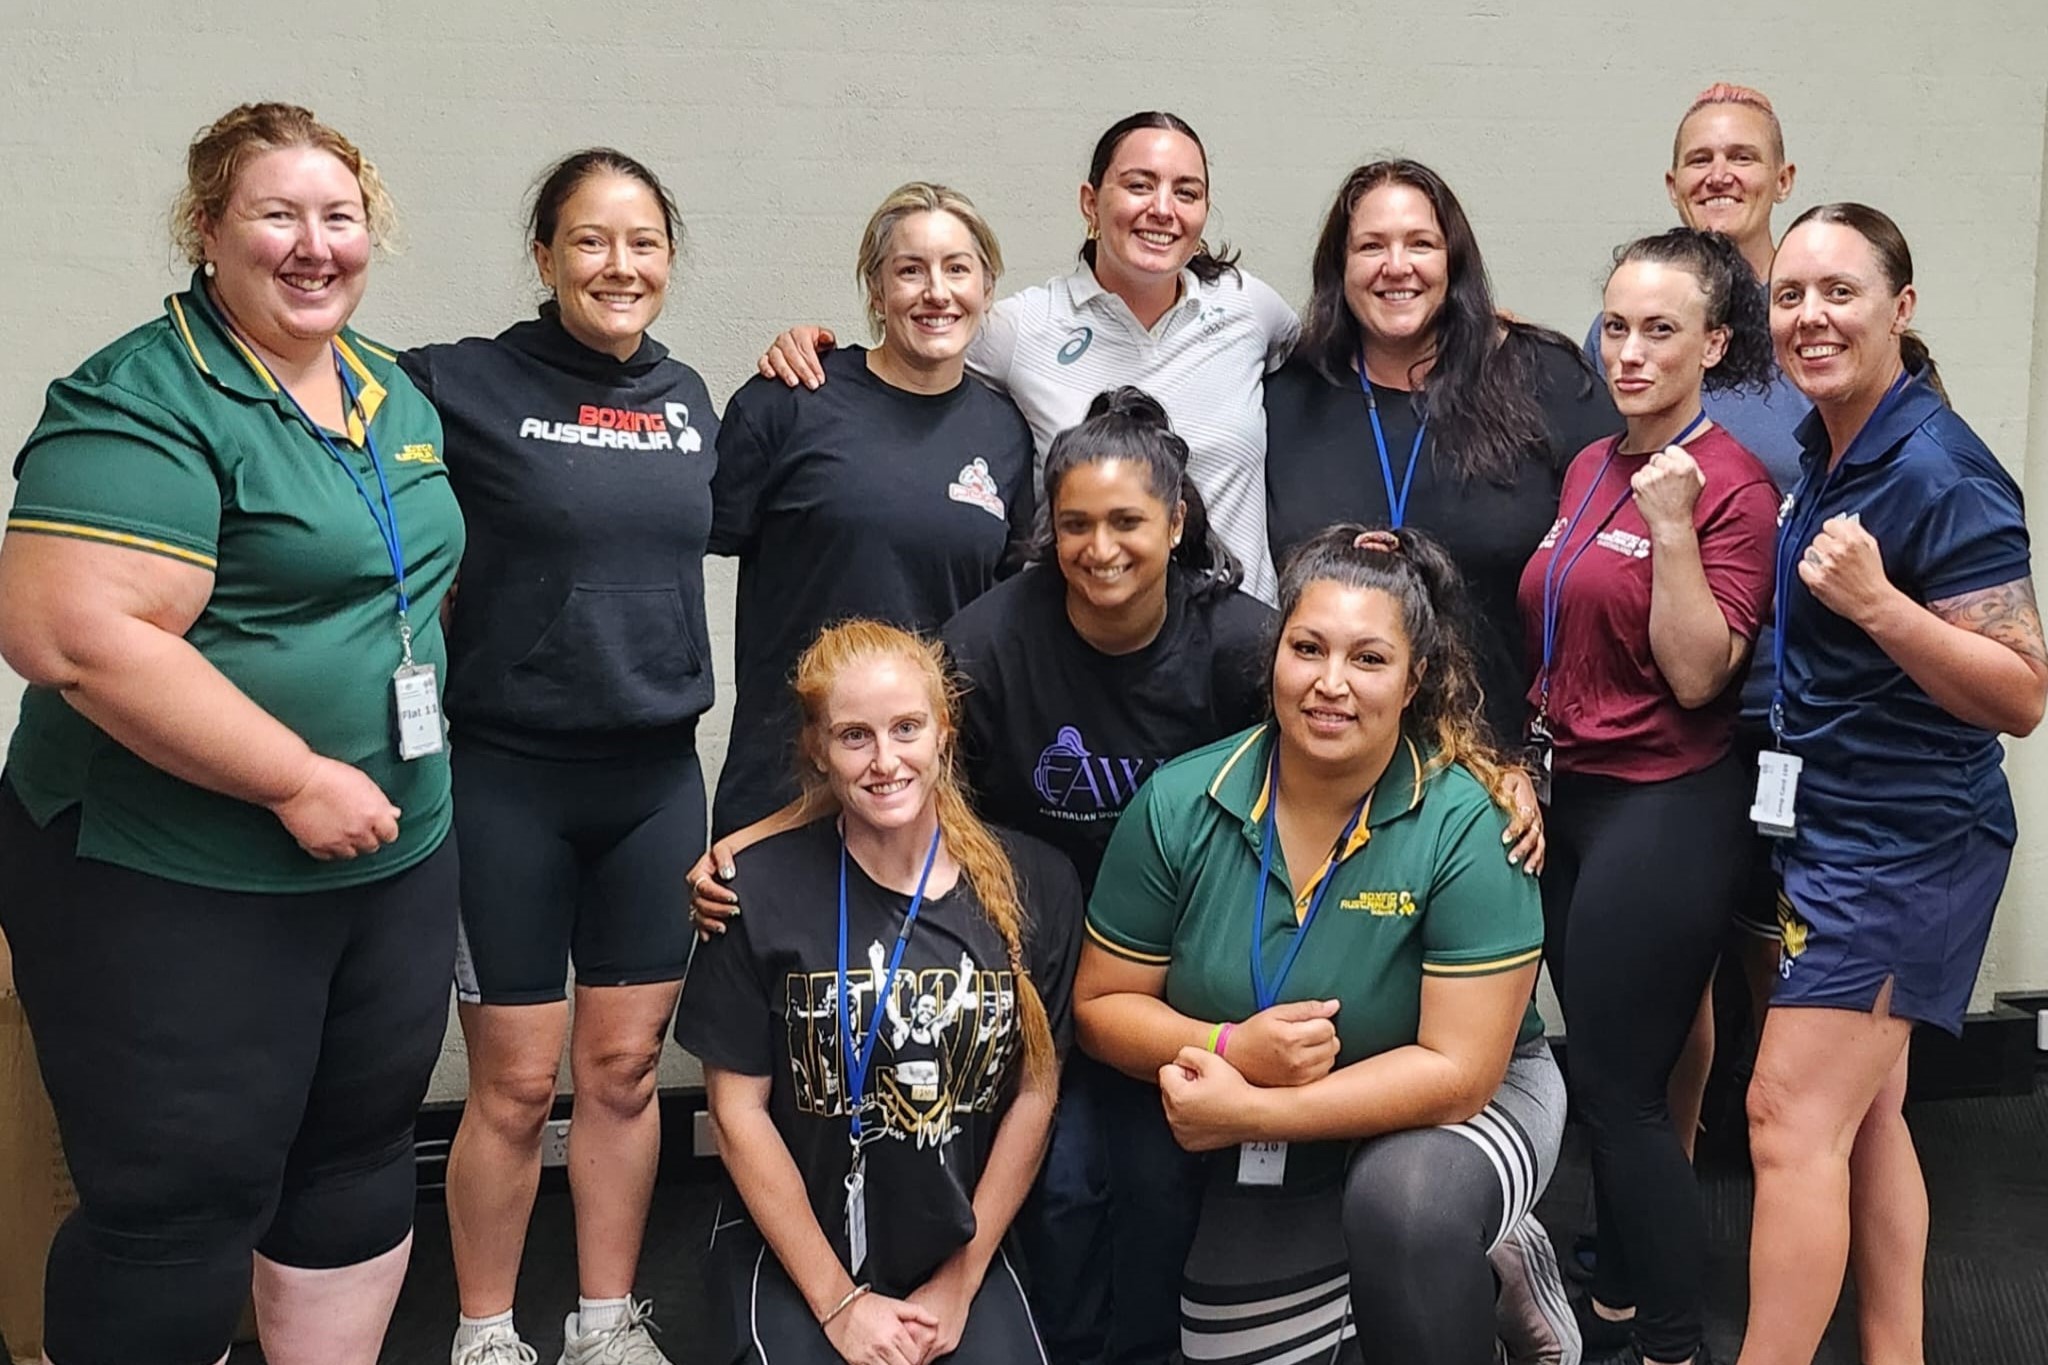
x,y
1080,785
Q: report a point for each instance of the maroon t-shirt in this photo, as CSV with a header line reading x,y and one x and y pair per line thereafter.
x,y
1611,712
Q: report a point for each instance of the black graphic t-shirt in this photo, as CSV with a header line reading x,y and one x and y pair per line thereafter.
x,y
762,1000
856,499
1057,736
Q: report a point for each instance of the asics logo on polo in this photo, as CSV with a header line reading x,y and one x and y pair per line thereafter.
x,y
620,429
1076,347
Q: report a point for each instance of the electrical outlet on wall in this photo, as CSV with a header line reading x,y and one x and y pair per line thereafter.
x,y
554,1143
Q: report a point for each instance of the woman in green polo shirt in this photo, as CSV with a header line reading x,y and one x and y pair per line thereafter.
x,y
1382,1107
224,865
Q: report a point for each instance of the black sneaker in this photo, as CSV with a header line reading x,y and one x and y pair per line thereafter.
x,y
1606,1342
1583,1260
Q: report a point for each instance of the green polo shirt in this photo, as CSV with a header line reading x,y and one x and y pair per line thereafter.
x,y
1422,888
174,441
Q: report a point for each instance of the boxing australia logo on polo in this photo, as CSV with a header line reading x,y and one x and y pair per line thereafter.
x,y
1079,785
620,429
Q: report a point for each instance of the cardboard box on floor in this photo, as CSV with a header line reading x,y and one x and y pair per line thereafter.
x,y
35,1187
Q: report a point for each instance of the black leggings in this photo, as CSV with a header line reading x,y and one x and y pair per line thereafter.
x,y
230,1072
1640,884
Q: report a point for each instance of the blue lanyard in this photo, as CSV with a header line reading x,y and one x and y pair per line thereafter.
x,y
857,1057
1798,527
1397,500
387,520
1555,574
1269,836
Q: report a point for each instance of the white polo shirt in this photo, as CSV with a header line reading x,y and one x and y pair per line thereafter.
x,y
1053,347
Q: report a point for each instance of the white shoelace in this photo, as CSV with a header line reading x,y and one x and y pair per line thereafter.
x,y
627,1342
496,1350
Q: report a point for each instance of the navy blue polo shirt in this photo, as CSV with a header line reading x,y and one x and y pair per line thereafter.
x,y
1888,773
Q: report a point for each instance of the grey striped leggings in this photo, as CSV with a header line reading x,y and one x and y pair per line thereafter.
x,y
1401,1255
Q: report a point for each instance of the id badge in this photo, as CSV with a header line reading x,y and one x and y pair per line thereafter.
x,y
1539,760
1261,1163
856,1220
1777,786
419,711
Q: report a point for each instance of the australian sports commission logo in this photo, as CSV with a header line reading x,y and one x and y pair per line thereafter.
x,y
620,429
1079,785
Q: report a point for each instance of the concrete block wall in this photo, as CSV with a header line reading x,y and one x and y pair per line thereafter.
x,y
779,126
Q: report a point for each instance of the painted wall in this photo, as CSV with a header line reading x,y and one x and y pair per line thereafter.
x,y
779,126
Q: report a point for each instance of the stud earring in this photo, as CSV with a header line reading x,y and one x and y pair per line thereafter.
x,y
207,270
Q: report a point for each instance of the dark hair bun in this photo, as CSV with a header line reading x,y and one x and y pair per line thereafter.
x,y
1132,404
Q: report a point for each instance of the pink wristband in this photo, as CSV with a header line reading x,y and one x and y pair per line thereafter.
x,y
1223,1038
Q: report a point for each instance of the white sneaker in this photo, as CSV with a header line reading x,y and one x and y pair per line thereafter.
x,y
494,1346
625,1343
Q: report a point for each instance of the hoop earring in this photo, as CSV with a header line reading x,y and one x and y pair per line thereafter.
x,y
1094,232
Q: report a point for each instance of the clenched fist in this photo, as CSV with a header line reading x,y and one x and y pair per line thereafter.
x,y
1667,488
1843,569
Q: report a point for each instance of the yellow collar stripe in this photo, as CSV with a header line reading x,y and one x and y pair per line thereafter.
x,y
1216,783
185,331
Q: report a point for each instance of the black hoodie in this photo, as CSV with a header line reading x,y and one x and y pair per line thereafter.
x,y
586,482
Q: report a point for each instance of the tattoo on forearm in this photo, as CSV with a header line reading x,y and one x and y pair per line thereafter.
x,y
2006,613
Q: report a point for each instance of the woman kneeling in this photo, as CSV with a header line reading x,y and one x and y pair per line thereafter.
x,y
1383,1107
882,1115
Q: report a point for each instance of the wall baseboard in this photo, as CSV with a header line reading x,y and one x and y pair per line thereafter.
x,y
1995,1055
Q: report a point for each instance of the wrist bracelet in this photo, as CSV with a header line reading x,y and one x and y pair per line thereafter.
x,y
1222,1038
844,1303
1215,1035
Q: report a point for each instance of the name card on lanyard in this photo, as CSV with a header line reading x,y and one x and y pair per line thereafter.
x,y
415,694
1777,772
855,1057
1265,1163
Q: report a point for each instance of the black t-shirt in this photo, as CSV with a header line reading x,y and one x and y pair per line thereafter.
x,y
762,1000
1322,468
585,481
1057,736
855,499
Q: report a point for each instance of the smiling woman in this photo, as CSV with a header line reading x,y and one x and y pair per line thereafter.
x,y
1909,640
881,1110
894,492
1381,1112
224,871
580,664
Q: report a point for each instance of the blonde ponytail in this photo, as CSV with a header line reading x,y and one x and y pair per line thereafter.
x,y
973,845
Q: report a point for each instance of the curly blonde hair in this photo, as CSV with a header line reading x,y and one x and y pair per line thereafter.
x,y
221,150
